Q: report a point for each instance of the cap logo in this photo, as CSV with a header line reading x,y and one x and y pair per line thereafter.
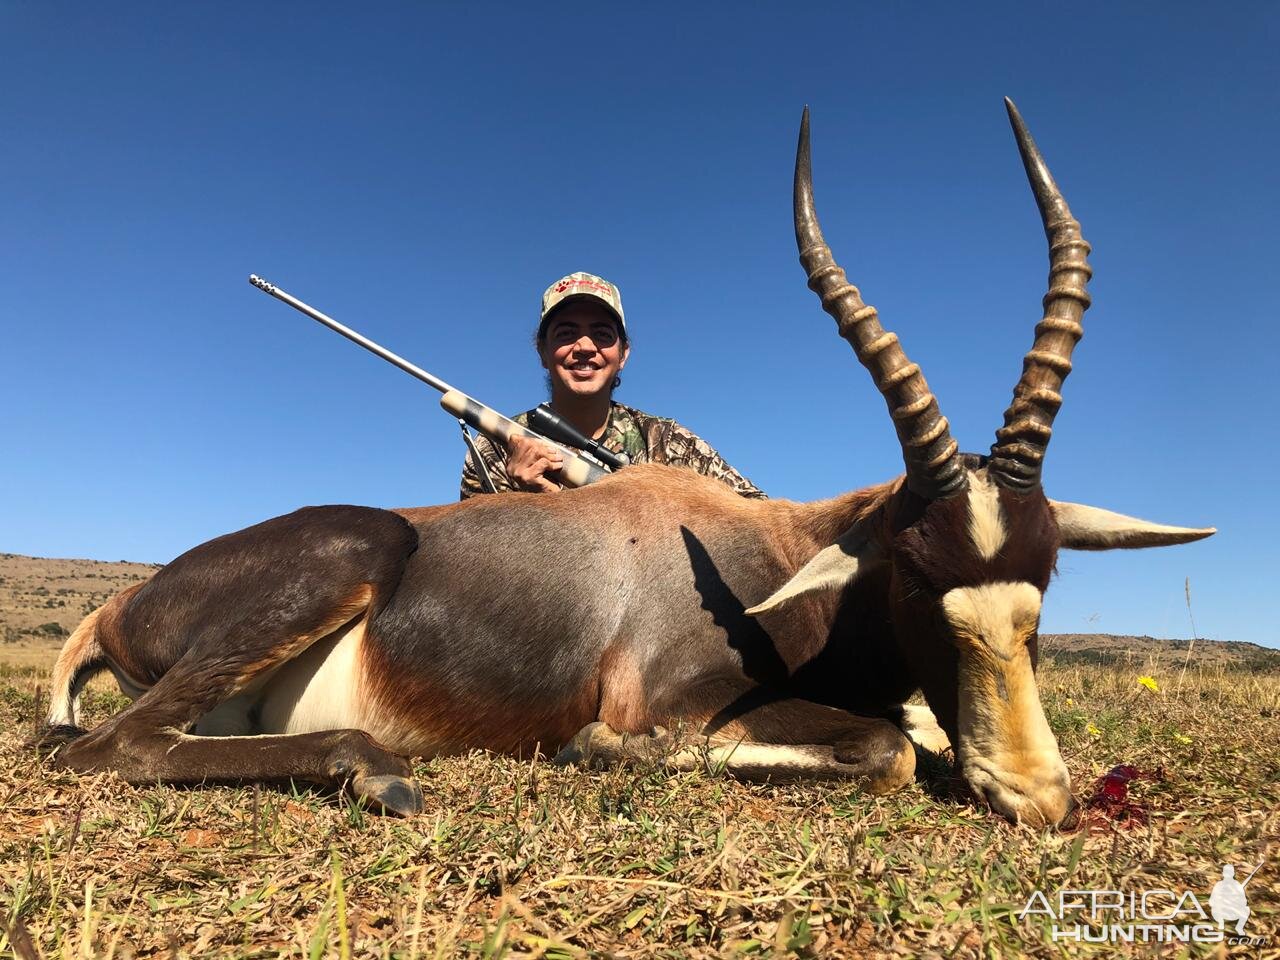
x,y
564,285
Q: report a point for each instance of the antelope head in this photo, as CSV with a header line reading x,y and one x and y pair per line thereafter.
x,y
971,541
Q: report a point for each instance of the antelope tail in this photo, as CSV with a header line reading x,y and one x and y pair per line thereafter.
x,y
81,657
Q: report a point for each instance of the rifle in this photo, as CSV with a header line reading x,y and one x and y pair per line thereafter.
x,y
579,469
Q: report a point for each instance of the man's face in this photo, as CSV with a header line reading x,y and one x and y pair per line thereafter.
x,y
582,351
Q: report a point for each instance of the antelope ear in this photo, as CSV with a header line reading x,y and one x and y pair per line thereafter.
x,y
1092,528
835,566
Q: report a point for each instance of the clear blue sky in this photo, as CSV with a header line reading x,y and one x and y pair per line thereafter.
x,y
422,171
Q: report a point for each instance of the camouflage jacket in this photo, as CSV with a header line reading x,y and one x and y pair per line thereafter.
x,y
642,437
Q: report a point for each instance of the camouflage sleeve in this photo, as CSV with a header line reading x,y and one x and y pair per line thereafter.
x,y
681,447
495,459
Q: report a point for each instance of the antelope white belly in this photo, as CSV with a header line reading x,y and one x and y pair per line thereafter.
x,y
318,690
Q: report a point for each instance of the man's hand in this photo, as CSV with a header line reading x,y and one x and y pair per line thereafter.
x,y
528,463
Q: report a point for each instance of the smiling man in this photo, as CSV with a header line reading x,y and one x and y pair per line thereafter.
x,y
583,345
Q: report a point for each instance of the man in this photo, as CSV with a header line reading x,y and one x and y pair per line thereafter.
x,y
1227,901
582,342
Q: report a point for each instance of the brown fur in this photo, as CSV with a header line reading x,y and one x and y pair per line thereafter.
x,y
430,719
938,554
342,613
112,640
622,691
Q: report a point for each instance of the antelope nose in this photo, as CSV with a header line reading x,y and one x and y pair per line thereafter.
x,y
1052,807
1047,806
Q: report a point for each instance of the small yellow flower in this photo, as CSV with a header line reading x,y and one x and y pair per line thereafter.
x,y
1092,731
1182,738
1070,702
1149,683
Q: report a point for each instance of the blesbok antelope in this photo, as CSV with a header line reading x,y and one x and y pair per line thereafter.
x,y
329,644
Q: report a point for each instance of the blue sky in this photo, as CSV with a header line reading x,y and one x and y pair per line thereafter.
x,y
422,171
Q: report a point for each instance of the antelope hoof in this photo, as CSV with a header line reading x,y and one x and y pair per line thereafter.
x,y
390,793
883,755
51,739
598,744
581,749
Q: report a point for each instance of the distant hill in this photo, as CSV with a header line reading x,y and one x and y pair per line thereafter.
x,y
42,600
1109,648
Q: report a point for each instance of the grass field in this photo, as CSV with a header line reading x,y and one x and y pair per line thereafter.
x,y
520,858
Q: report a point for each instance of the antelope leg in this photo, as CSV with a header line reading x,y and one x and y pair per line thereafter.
x,y
332,757
749,733
918,722
146,742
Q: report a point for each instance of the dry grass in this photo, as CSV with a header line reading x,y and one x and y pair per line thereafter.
x,y
520,858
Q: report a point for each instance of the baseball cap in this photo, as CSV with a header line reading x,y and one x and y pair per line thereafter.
x,y
580,285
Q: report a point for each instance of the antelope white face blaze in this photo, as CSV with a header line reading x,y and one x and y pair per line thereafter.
x,y
986,520
1006,752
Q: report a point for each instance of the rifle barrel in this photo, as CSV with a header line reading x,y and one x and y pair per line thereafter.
x,y
375,348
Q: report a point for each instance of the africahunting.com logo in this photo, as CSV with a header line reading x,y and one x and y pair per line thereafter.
x,y
1148,916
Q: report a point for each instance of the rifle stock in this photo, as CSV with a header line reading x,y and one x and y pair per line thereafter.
x,y
577,471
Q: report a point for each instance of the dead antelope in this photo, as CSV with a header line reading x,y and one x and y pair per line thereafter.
x,y
329,644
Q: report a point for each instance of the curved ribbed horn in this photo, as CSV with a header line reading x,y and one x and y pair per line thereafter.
x,y
1018,453
934,470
